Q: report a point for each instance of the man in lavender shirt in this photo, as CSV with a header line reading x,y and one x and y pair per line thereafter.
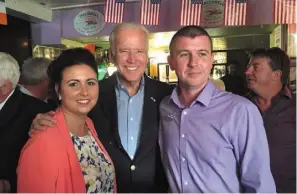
x,y
211,140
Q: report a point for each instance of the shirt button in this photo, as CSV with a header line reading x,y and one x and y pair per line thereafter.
x,y
186,183
131,101
131,119
183,159
185,113
183,135
132,167
132,138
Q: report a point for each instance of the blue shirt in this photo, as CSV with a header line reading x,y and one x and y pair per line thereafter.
x,y
129,116
217,144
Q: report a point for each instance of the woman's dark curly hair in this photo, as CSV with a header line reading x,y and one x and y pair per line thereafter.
x,y
68,58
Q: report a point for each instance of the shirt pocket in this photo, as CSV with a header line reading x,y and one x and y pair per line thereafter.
x,y
169,129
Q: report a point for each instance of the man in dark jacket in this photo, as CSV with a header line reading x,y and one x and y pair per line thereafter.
x,y
17,110
127,115
267,76
130,100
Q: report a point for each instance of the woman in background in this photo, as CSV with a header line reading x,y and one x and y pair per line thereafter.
x,y
69,157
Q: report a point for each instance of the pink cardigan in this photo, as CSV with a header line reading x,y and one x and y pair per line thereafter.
x,y
48,162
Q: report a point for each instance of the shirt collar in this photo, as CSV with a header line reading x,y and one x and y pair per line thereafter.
x,y
204,97
25,90
119,85
3,103
285,92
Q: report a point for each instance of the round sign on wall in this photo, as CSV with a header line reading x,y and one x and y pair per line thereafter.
x,y
213,13
89,22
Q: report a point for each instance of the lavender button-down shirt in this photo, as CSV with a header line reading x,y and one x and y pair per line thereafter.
x,y
217,144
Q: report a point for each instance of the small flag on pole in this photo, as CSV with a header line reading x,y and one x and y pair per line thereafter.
x,y
150,12
114,11
235,12
285,11
3,16
191,12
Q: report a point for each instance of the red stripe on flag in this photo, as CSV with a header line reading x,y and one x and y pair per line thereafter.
x,y
158,15
243,13
283,12
233,13
278,11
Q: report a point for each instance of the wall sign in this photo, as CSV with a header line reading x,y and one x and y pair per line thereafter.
x,y
89,22
213,13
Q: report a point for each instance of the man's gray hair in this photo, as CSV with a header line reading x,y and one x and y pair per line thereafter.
x,y
9,69
34,70
119,27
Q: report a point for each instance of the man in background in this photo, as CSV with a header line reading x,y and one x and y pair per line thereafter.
x,y
233,83
17,111
34,78
267,75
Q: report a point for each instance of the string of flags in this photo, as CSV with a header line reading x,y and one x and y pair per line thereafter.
x,y
208,13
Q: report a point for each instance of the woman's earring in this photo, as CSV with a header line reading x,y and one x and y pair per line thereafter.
x,y
60,97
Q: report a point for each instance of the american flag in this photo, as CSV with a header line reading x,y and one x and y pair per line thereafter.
x,y
114,11
285,11
235,12
150,12
191,12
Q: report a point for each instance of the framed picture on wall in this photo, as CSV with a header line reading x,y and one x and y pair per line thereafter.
x,y
165,74
218,71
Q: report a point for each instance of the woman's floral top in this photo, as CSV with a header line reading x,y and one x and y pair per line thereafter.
x,y
96,167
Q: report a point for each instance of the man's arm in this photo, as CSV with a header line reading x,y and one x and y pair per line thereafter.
x,y
41,121
251,151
